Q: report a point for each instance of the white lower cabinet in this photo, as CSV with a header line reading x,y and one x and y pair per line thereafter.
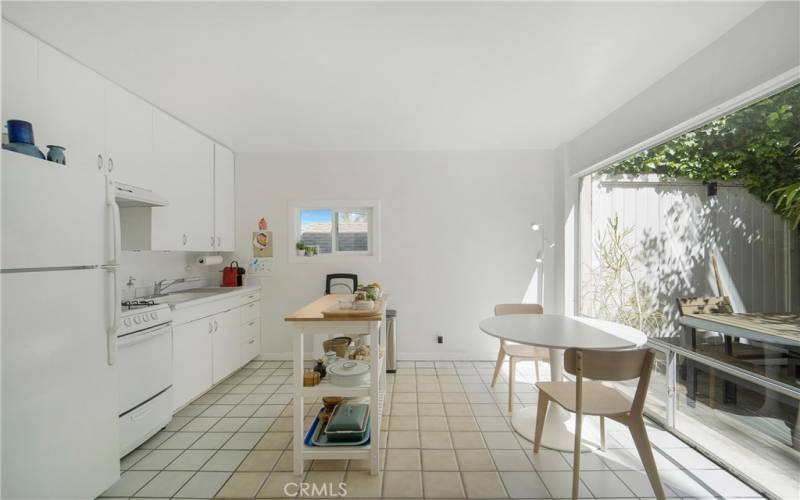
x,y
211,341
225,344
250,340
191,361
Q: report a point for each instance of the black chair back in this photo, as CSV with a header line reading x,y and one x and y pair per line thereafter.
x,y
341,276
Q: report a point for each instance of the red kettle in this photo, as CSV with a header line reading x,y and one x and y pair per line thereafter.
x,y
232,274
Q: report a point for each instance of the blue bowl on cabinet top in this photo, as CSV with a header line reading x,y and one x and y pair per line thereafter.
x,y
26,149
20,131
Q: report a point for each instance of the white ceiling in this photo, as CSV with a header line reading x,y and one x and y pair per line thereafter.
x,y
383,76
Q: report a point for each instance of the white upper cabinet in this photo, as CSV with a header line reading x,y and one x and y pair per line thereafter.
x,y
129,138
108,130
224,199
185,172
19,77
70,111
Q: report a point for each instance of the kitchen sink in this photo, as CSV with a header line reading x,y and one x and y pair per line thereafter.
x,y
178,297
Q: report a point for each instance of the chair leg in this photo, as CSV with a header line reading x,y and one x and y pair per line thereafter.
x,y
536,366
541,414
512,368
602,433
576,458
501,356
639,434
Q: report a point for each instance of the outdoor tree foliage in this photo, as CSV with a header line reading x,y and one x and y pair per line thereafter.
x,y
756,146
614,289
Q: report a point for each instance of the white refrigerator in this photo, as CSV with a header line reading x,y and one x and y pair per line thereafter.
x,y
60,311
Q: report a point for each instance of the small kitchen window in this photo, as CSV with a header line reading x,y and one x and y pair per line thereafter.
x,y
343,230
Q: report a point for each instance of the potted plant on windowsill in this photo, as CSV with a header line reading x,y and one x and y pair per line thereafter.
x,y
300,247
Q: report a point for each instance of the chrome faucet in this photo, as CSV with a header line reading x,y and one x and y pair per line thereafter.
x,y
160,286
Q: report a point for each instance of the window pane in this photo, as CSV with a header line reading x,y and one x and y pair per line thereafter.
x,y
656,402
748,426
352,233
316,229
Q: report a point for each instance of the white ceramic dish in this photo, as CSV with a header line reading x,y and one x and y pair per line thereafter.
x,y
349,373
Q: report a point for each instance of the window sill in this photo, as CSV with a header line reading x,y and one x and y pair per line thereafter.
x,y
324,259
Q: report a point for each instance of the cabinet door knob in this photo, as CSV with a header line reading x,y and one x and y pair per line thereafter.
x,y
110,164
99,162
212,241
216,325
219,241
252,341
185,239
210,327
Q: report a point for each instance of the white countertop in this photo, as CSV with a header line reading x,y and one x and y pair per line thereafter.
x,y
198,296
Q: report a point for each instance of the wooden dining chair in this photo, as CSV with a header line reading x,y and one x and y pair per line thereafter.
x,y
594,398
517,352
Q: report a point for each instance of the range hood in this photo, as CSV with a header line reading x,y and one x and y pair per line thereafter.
x,y
132,196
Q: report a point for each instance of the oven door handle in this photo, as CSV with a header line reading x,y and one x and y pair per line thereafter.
x,y
135,338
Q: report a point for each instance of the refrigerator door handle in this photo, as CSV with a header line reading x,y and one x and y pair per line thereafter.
x,y
116,234
111,333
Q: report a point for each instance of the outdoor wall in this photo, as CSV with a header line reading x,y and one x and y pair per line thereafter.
x,y
763,46
673,228
456,237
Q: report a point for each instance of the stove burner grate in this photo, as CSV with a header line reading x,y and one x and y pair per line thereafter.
x,y
133,304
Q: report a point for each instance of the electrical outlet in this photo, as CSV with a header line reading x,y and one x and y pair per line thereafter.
x,y
440,339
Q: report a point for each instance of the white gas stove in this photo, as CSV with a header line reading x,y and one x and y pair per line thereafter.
x,y
141,314
144,359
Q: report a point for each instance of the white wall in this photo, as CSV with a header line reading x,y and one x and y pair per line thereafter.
x,y
456,237
763,46
149,267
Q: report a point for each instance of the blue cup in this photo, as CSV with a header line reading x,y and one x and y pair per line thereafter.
x,y
20,131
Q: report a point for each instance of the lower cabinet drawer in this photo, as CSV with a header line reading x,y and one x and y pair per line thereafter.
x,y
250,340
250,312
139,424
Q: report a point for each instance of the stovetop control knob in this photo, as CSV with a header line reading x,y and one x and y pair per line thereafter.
x,y
137,320
153,315
127,322
145,318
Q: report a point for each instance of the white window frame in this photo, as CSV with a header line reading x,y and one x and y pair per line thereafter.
x,y
373,254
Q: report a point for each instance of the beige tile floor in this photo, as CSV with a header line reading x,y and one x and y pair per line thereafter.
x,y
446,434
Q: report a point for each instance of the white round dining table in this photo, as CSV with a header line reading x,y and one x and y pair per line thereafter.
x,y
557,333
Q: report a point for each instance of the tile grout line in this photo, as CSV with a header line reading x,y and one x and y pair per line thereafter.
x,y
215,451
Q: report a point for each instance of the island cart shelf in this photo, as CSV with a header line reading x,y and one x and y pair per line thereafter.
x,y
309,320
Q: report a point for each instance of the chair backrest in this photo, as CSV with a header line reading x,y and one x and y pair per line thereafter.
x,y
704,305
506,309
612,366
341,276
